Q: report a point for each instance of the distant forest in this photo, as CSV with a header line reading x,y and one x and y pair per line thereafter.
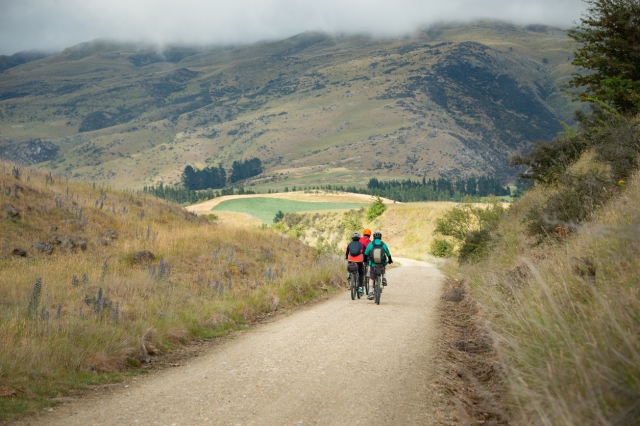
x,y
216,177
441,189
245,169
207,178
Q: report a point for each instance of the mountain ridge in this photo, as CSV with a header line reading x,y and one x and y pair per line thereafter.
x,y
315,108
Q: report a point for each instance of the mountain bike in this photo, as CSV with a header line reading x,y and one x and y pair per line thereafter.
x,y
377,285
366,278
353,281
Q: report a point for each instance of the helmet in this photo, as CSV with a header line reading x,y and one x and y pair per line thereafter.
x,y
367,232
377,235
355,236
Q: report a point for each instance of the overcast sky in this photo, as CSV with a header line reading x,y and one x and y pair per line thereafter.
x,y
56,24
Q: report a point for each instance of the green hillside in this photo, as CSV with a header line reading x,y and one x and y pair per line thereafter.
x,y
314,108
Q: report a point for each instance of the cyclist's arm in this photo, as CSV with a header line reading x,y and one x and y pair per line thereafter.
x,y
386,249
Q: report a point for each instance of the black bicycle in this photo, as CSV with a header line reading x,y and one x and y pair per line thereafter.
x,y
353,280
377,285
366,278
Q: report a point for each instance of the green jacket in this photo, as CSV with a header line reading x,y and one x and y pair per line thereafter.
x,y
369,249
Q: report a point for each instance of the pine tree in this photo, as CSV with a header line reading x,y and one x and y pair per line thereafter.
x,y
609,37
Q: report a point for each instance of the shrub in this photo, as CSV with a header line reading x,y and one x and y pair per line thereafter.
x,y
474,245
578,197
352,221
376,209
278,217
470,225
441,248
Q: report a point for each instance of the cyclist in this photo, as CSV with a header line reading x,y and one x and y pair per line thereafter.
x,y
378,255
366,239
355,254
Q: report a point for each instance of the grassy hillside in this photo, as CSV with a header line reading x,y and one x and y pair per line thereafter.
x,y
78,308
558,281
315,109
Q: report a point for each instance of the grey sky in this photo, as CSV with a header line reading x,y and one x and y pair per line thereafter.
x,y
56,24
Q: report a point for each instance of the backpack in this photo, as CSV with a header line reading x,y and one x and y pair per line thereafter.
x,y
378,255
354,248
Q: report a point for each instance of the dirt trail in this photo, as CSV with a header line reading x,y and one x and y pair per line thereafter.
x,y
340,362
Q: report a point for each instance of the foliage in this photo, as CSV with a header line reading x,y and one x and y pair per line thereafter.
x,y
278,216
567,316
209,177
441,248
609,38
189,196
577,192
375,209
245,169
440,189
563,211
352,221
469,225
613,137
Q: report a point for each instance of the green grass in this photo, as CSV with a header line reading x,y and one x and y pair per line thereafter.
x,y
266,208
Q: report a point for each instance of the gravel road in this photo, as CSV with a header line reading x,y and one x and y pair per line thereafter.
x,y
339,362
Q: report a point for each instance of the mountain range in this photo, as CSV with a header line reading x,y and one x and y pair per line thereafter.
x,y
450,100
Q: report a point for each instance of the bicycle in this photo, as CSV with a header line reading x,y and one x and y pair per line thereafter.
x,y
366,278
377,285
353,282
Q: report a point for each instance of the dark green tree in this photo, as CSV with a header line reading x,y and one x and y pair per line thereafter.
x,y
609,40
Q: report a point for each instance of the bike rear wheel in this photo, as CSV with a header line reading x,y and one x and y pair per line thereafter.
x,y
366,280
353,286
376,290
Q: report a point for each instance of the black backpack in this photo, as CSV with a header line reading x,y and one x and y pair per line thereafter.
x,y
354,248
378,255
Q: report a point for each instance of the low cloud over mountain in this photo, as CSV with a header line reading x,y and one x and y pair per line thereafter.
x,y
46,25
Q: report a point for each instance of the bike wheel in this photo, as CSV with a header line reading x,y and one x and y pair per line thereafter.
x,y
376,291
366,281
353,287
357,292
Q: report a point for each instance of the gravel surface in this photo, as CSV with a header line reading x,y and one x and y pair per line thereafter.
x,y
339,362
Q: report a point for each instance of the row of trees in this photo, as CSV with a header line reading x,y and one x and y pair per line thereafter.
x,y
474,186
207,178
245,169
182,195
216,177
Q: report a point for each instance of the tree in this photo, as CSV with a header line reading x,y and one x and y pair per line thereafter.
x,y
609,36
376,209
278,217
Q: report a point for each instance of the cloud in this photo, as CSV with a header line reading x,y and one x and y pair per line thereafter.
x,y
56,24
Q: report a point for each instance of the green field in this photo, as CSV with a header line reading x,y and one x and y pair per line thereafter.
x,y
266,208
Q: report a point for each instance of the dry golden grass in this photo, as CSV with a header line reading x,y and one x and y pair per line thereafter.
x,y
566,316
73,336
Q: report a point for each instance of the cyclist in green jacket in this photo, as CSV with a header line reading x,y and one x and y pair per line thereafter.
x,y
378,255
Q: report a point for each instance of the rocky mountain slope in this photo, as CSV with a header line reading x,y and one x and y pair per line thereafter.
x,y
315,109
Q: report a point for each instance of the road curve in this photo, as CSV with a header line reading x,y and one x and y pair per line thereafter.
x,y
339,362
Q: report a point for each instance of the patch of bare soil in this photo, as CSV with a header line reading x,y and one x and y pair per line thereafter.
x,y
473,378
